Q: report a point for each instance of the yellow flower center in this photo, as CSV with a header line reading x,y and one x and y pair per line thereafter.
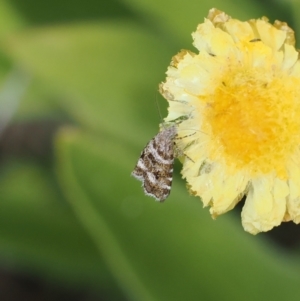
x,y
254,117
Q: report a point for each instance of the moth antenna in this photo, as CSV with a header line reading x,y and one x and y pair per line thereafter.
x,y
162,122
158,109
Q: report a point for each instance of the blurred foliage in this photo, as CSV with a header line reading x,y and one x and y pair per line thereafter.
x,y
77,104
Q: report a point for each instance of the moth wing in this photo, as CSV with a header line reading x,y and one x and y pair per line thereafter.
x,y
155,167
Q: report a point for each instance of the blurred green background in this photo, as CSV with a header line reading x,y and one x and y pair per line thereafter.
x,y
78,95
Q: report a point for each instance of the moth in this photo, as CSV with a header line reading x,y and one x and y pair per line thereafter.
x,y
155,165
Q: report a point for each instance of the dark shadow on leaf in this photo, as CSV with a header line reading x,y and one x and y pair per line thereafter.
x,y
62,11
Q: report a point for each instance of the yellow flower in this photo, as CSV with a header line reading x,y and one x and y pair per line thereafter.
x,y
238,103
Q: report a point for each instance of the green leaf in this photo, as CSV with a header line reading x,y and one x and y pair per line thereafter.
x,y
171,251
178,19
296,14
39,232
108,73
10,19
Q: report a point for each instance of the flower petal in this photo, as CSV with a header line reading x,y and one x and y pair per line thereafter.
x,y
212,40
265,205
270,35
227,191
